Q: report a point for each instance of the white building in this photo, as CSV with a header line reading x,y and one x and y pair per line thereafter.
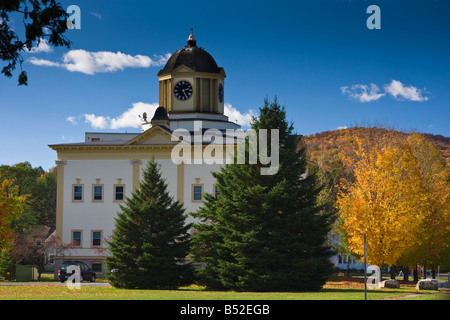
x,y
95,176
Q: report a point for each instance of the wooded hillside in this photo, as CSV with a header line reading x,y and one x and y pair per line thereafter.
x,y
325,147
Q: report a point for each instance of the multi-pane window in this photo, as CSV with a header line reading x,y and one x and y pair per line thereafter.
x,y
119,192
96,266
96,238
76,238
97,192
78,193
197,192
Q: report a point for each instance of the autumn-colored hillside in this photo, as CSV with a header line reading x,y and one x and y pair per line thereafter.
x,y
325,147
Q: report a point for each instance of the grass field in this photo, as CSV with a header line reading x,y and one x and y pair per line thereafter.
x,y
110,293
337,289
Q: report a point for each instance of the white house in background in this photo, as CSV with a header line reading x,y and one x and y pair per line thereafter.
x,y
343,261
95,176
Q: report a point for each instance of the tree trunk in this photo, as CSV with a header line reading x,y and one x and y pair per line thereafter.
x,y
392,272
39,271
405,274
416,274
433,274
348,266
424,271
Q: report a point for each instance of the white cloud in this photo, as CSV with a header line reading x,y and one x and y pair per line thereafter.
x,y
72,120
128,119
363,93
64,138
97,15
399,91
342,127
97,122
100,62
43,62
243,119
104,61
43,46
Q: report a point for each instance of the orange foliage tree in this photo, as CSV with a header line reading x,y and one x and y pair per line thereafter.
x,y
400,200
10,207
431,235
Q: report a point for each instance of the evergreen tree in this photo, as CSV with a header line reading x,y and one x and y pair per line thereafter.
x,y
151,240
7,263
264,232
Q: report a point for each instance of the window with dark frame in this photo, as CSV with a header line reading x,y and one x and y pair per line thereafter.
x,y
96,238
76,238
96,266
78,193
98,193
119,193
197,193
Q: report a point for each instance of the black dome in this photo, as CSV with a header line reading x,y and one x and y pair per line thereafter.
x,y
160,114
192,57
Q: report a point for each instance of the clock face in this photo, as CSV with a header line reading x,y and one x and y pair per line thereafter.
x,y
183,90
220,93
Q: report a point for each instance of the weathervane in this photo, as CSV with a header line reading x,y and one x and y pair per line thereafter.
x,y
191,40
144,117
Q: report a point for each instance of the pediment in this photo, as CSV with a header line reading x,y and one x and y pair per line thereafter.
x,y
182,69
154,136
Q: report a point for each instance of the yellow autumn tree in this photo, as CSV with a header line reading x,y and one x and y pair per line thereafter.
x,y
400,199
431,235
10,207
382,202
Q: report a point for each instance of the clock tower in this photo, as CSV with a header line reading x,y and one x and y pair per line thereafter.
x,y
191,88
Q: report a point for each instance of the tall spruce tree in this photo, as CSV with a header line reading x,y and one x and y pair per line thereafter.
x,y
151,239
264,232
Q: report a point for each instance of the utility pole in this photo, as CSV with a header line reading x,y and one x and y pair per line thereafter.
x,y
365,268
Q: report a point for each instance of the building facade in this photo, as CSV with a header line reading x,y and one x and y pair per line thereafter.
x,y
97,175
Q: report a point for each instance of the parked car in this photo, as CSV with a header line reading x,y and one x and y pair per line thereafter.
x,y
86,272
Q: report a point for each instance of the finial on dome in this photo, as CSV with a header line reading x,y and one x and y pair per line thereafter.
x,y
191,40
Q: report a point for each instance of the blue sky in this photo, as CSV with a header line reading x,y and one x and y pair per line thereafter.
x,y
318,57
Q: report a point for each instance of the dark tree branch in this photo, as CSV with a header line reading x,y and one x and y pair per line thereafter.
x,y
44,15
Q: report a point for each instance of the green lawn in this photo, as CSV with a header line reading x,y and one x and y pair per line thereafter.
x,y
338,288
196,293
